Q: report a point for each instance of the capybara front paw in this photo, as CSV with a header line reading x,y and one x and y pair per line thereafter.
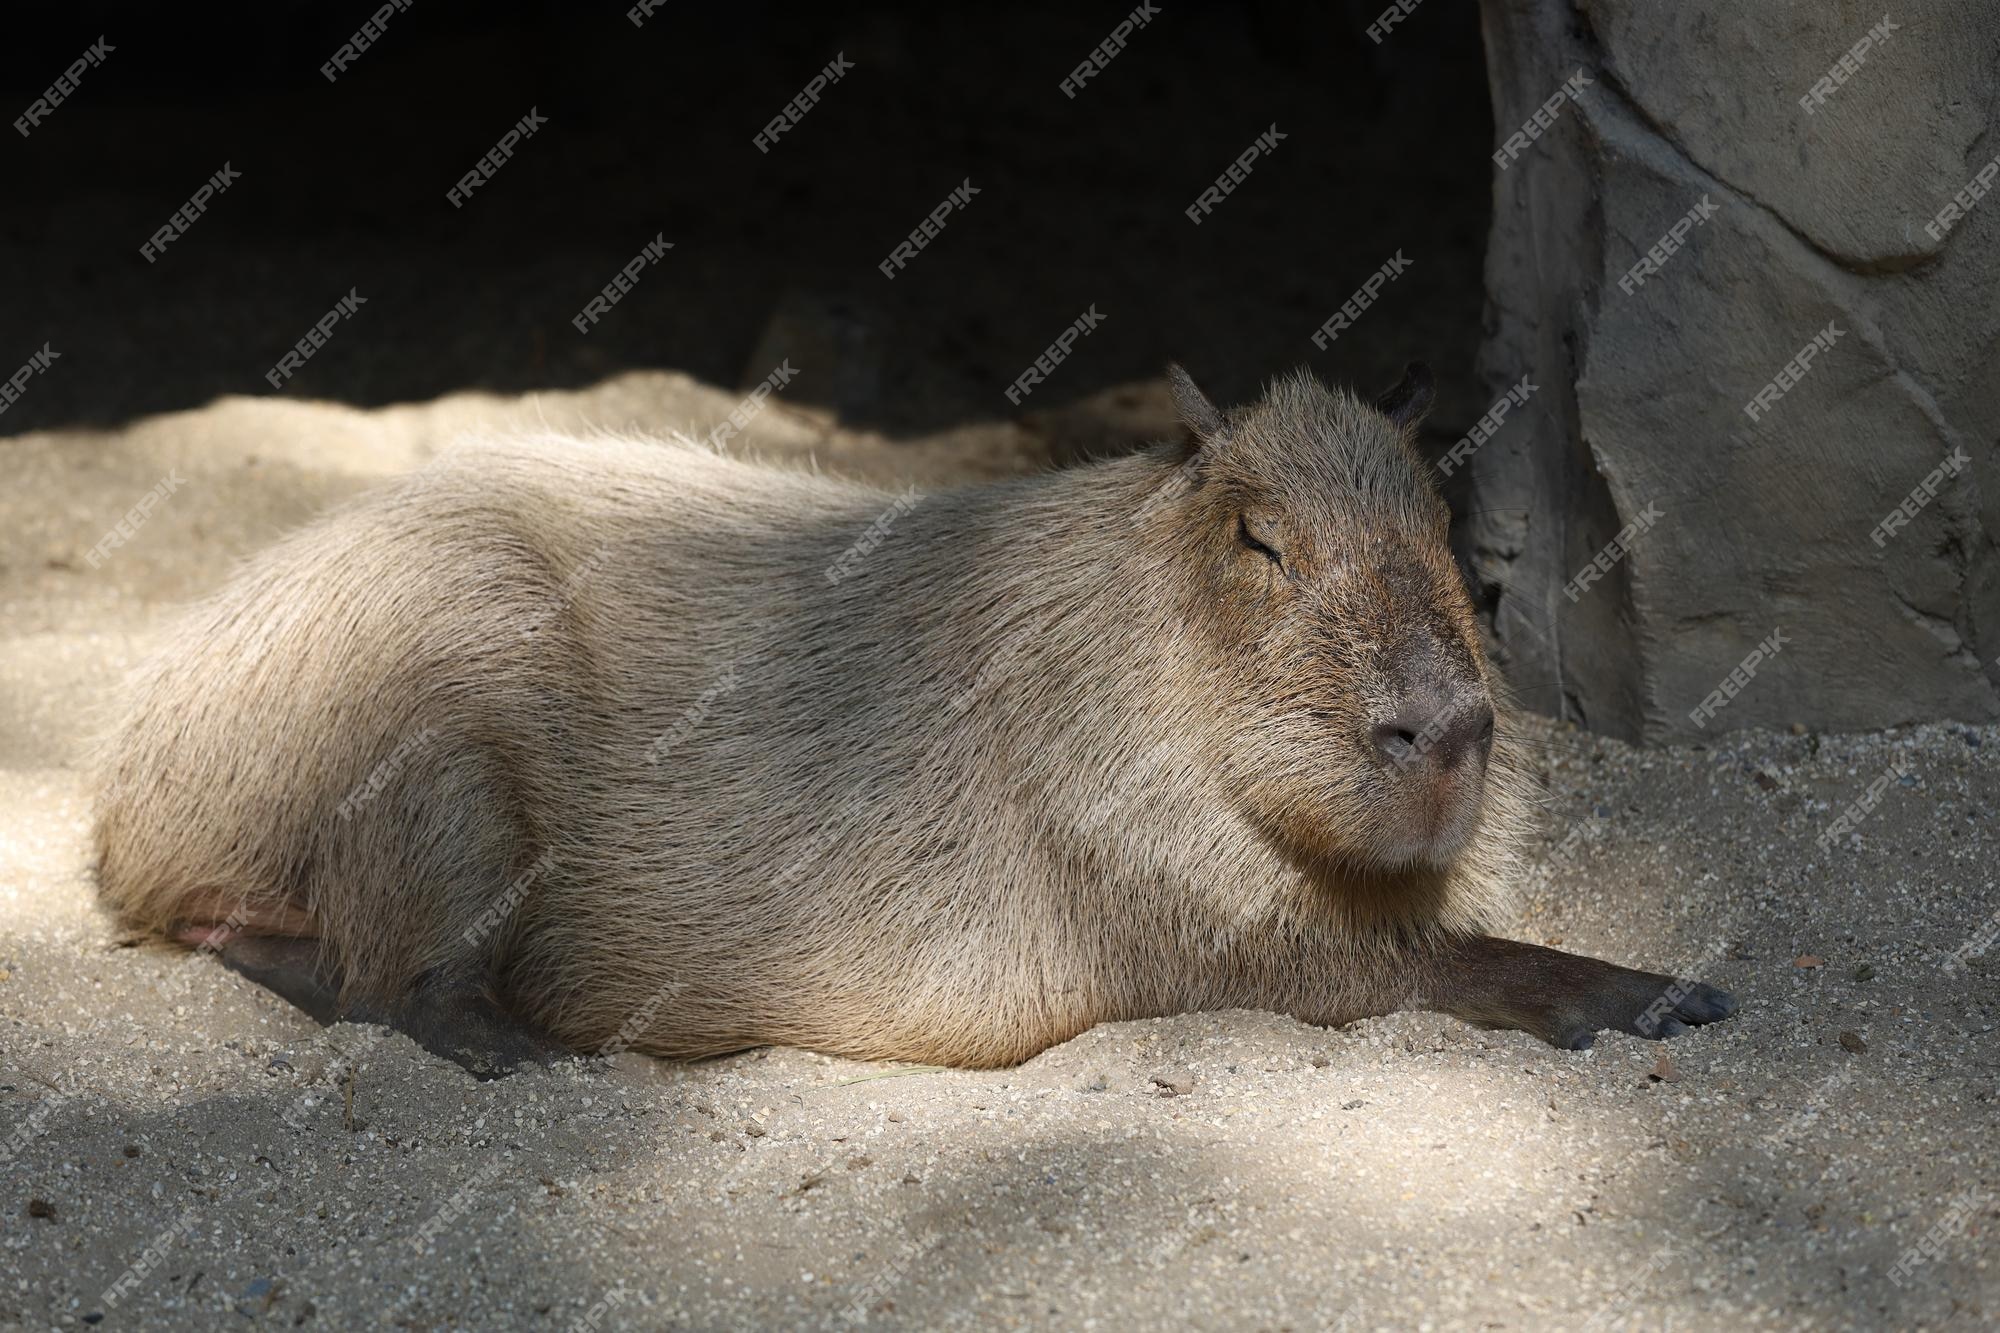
x,y
1622,999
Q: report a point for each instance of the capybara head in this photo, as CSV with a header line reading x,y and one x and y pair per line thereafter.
x,y
1346,662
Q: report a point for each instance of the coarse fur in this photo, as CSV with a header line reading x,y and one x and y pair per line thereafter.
x,y
689,753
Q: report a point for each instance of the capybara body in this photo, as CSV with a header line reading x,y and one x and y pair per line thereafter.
x,y
671,750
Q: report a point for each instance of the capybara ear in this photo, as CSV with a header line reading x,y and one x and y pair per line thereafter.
x,y
1200,415
1411,399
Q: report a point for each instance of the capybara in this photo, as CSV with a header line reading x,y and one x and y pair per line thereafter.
x,y
574,744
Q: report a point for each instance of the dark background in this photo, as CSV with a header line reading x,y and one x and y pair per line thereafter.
x,y
343,186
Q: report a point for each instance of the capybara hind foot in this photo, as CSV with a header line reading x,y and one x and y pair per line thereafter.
x,y
457,1019
445,1014
289,968
1566,999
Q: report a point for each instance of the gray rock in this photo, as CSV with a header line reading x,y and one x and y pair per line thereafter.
x,y
1766,512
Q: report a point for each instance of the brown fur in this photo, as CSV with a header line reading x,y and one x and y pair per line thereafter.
x,y
1057,751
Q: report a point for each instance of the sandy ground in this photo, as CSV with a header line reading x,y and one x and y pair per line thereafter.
x,y
179,1149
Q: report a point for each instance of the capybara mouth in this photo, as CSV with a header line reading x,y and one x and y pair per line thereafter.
x,y
1436,824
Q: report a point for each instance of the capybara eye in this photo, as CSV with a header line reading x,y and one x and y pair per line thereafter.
x,y
1250,542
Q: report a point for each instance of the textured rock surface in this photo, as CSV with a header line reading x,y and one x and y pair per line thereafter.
x,y
1766,522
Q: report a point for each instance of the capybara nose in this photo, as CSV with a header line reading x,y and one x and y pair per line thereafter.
x,y
1437,728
